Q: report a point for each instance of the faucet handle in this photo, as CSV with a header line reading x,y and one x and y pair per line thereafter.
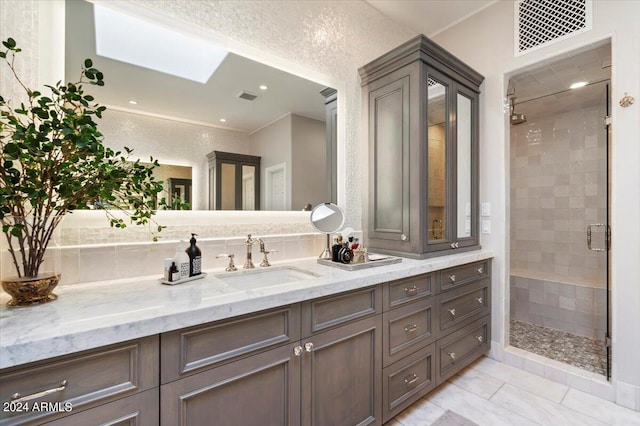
x,y
265,260
231,266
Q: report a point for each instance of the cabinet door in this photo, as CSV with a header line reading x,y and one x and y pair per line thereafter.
x,y
440,162
389,122
341,375
466,170
260,390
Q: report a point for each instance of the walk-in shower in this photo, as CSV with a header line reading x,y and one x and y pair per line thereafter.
x,y
559,195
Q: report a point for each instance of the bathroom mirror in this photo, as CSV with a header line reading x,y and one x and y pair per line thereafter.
x,y
327,218
245,107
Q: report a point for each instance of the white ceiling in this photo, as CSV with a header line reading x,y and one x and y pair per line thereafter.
x,y
165,95
429,17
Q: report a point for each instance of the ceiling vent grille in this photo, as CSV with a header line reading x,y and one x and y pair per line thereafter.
x,y
542,22
246,95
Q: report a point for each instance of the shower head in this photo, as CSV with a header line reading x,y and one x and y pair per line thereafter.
x,y
514,117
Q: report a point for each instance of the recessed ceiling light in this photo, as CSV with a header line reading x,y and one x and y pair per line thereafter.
x,y
578,84
133,102
263,87
223,120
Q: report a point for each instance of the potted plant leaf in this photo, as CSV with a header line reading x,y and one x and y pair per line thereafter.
x,y
53,161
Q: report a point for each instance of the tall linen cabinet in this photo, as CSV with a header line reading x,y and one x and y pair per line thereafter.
x,y
421,106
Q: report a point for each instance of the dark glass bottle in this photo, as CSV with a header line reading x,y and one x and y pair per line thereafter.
x,y
195,257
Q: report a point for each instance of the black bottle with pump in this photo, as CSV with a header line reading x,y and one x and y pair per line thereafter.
x,y
195,257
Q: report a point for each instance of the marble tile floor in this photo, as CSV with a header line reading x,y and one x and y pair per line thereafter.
x,y
582,352
495,394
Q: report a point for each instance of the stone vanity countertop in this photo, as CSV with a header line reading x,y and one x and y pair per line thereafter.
x,y
87,316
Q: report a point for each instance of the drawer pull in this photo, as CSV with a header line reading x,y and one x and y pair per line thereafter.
x,y
452,311
452,355
17,398
411,291
452,278
479,300
308,347
411,379
480,270
479,338
411,328
297,351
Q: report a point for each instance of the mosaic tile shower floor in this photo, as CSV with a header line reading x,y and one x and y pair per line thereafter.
x,y
582,352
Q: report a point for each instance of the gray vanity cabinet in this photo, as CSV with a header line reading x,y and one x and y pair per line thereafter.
x,y
318,362
422,109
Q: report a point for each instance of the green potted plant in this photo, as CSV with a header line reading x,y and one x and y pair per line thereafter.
x,y
53,161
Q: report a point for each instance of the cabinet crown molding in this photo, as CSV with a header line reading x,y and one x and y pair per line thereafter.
x,y
425,49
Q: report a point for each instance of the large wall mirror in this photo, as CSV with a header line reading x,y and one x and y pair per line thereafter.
x,y
179,111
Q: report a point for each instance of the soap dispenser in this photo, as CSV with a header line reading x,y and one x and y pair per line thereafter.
x,y
182,260
195,257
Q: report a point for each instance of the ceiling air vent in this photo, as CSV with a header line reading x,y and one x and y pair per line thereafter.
x,y
246,95
542,22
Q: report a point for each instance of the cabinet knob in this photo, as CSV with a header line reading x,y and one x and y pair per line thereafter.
x,y
452,355
479,339
452,311
404,237
411,328
480,270
411,291
452,278
297,351
479,300
452,245
308,347
411,379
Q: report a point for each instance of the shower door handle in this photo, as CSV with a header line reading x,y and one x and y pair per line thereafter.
x,y
607,238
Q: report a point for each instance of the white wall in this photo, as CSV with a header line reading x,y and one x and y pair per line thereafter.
x,y
309,162
273,144
485,41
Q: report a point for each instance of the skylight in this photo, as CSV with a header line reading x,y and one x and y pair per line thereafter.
x,y
135,41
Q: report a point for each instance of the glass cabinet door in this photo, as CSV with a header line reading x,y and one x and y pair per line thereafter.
x,y
438,147
466,200
451,165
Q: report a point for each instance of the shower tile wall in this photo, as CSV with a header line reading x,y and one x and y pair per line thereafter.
x,y
558,187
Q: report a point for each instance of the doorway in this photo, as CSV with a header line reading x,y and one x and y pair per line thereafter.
x,y
559,209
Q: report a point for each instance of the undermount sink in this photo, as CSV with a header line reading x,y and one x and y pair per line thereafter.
x,y
258,278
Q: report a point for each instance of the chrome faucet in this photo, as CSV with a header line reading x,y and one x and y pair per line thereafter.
x,y
249,243
265,260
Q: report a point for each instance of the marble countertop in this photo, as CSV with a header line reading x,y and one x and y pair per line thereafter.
x,y
91,315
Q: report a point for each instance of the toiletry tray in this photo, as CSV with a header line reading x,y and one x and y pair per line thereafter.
x,y
374,260
184,280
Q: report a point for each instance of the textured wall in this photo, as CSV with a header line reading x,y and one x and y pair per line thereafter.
x,y
165,140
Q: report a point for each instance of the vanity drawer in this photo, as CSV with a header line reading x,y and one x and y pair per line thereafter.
x,y
140,409
190,350
462,306
408,329
321,314
460,348
406,381
460,275
398,293
78,381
